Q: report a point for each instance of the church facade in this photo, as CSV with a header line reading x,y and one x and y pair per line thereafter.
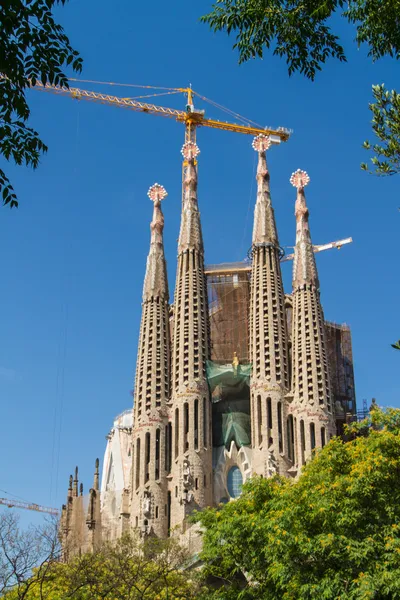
x,y
254,394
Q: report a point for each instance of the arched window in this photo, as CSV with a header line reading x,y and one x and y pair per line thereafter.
x,y
280,427
290,438
205,422
147,457
185,426
168,447
137,463
157,461
259,420
234,482
312,435
176,432
196,424
302,442
323,439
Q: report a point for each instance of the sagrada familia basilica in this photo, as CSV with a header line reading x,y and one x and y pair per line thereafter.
x,y
234,379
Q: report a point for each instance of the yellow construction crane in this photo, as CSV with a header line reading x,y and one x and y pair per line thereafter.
x,y
29,506
191,117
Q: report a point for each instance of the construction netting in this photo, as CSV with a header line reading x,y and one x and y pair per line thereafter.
x,y
228,298
230,395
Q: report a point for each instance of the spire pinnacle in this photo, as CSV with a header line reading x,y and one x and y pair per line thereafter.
x,y
304,267
155,282
96,475
75,488
264,228
190,236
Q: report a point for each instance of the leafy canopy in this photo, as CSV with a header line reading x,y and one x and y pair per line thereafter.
x,y
302,32
128,569
334,533
33,47
386,126
299,30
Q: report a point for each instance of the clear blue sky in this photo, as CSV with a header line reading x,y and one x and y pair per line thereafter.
x,y
73,254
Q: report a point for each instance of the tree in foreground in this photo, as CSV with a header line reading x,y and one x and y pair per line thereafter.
x,y
33,47
303,33
22,553
126,569
335,533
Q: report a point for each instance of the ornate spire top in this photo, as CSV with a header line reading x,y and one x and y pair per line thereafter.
x,y
261,143
304,267
190,150
157,193
264,228
155,281
190,236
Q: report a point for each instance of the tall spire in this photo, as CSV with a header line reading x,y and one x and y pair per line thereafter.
x,y
312,404
190,403
264,228
304,267
268,329
155,281
190,236
152,385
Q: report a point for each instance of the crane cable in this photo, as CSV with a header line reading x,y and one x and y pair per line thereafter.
x,y
167,91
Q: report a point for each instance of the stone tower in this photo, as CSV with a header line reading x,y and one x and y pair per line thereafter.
x,y
311,422
190,450
152,386
268,331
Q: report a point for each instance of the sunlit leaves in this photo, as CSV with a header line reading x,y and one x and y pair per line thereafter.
x,y
335,533
33,47
386,126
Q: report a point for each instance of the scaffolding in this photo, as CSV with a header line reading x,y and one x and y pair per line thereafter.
x,y
228,288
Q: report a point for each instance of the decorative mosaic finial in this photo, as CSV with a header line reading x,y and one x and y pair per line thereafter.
x,y
157,193
190,150
299,179
261,143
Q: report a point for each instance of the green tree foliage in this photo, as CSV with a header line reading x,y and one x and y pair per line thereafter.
x,y
302,32
386,126
334,533
33,47
396,346
127,569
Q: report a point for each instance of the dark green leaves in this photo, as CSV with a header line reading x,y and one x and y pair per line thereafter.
x,y
386,126
32,48
299,31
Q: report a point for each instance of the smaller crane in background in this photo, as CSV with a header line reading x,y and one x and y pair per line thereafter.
x,y
29,506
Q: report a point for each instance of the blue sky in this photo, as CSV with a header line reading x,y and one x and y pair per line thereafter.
x,y
74,252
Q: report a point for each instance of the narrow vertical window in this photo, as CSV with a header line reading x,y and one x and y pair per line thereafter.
x,y
168,447
280,427
147,458
196,424
137,463
176,432
186,426
259,420
156,512
205,422
157,461
302,442
290,438
269,413
312,435
323,440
